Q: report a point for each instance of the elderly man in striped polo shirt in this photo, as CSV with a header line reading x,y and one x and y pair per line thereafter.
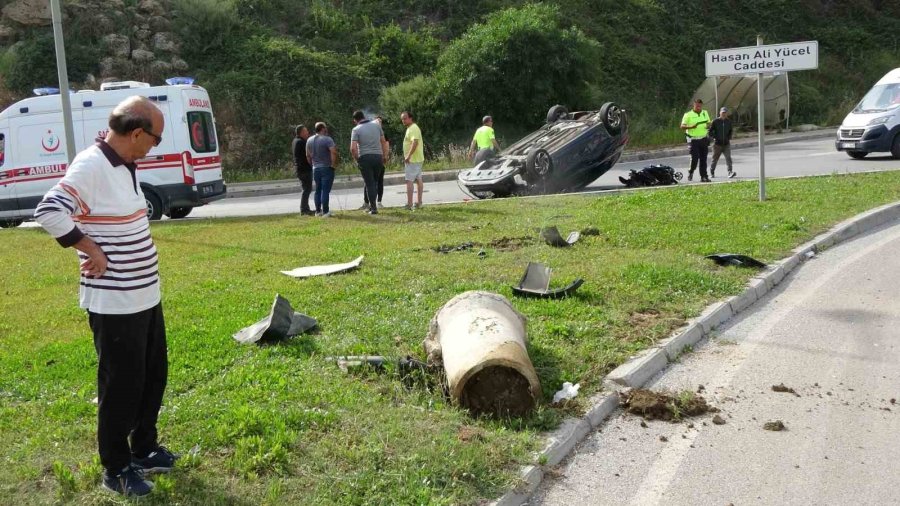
x,y
98,209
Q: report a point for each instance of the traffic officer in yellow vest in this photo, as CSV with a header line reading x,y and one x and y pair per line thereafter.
x,y
695,124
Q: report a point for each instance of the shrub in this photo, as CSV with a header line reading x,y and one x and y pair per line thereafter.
x,y
33,63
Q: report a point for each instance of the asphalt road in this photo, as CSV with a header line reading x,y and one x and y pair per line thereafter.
x,y
789,159
828,332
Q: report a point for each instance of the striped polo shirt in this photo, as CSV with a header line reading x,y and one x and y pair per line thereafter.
x,y
99,197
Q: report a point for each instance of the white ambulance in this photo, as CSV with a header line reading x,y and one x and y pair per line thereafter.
x,y
183,172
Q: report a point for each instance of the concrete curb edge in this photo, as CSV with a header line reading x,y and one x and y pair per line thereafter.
x,y
644,366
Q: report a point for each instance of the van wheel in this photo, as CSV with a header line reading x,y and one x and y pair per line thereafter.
x,y
895,147
857,155
10,223
154,205
179,212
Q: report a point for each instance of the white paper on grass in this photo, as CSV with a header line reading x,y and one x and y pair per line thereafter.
x,y
321,270
568,391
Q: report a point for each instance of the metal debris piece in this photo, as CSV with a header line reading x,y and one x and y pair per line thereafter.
x,y
356,361
281,323
536,283
552,237
321,270
726,259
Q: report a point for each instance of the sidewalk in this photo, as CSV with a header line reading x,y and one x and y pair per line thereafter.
x,y
287,186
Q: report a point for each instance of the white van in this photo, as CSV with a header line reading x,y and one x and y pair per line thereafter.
x,y
183,172
874,124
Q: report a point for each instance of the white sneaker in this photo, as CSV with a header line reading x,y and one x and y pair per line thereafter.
x,y
327,215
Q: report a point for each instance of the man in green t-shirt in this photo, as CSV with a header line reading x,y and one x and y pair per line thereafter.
x,y
485,141
695,124
413,158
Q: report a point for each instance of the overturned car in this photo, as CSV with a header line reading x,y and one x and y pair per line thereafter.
x,y
568,153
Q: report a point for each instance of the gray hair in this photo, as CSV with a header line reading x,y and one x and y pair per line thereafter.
x,y
131,114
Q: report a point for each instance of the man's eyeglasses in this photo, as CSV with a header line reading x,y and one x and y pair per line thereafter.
x,y
157,138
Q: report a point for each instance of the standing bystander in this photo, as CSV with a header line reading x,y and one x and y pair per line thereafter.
x,y
321,153
413,158
484,141
721,131
98,208
369,148
379,176
695,124
303,168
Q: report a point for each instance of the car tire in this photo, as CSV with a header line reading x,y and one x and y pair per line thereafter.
x,y
10,223
857,155
556,113
154,205
176,213
612,117
895,147
538,165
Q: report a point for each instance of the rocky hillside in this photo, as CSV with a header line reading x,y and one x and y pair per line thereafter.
x,y
270,64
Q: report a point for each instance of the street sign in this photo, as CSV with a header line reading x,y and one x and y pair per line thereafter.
x,y
763,59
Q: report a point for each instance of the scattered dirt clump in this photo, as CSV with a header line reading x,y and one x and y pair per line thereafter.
x,y
447,248
781,388
467,433
660,406
510,243
776,426
718,420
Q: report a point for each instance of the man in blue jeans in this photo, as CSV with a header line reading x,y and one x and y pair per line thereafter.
x,y
322,155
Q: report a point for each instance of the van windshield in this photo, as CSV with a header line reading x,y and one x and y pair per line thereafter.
x,y
880,98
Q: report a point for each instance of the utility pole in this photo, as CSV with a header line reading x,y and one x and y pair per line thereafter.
x,y
761,124
56,14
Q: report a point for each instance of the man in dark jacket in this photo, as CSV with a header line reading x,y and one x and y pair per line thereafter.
x,y
721,131
303,168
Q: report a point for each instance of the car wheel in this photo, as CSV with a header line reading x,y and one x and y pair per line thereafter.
x,y
154,205
895,147
538,165
613,118
10,223
179,212
678,176
858,155
556,113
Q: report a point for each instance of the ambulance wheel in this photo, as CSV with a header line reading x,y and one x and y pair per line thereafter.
x,y
179,212
858,155
10,223
154,205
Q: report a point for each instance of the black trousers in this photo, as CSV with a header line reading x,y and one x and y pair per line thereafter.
x,y
379,186
699,150
131,378
369,167
306,185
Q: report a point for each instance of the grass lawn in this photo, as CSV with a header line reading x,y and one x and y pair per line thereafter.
x,y
281,425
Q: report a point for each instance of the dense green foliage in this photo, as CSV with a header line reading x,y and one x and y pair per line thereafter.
x,y
271,64
282,424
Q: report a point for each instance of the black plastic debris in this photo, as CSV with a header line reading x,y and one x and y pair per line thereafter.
x,y
536,283
281,323
590,231
552,237
726,259
652,175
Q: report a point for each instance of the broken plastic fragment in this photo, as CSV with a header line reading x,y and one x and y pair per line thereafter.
x,y
536,283
282,322
726,259
552,237
321,270
568,391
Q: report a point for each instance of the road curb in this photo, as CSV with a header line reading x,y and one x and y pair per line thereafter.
x,y
291,186
641,368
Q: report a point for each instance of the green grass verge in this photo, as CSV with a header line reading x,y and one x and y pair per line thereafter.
x,y
280,425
